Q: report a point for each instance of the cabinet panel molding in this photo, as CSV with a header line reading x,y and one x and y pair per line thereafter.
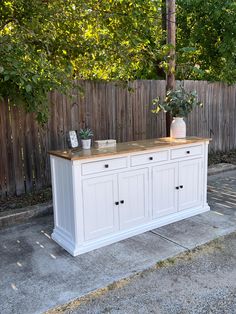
x,y
133,196
103,198
164,192
99,206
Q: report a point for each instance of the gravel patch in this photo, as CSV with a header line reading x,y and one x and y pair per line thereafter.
x,y
202,281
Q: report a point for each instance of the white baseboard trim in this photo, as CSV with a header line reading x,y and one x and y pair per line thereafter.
x,y
70,246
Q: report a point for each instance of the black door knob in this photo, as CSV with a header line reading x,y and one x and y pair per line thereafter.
x,y
106,166
122,201
117,203
150,158
181,186
188,151
177,187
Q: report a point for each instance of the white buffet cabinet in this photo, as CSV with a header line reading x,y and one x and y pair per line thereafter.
x,y
103,196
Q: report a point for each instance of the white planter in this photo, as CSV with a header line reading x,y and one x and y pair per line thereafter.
x,y
178,128
86,144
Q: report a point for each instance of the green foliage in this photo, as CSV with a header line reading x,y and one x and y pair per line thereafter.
x,y
209,28
123,40
85,134
178,102
46,45
29,68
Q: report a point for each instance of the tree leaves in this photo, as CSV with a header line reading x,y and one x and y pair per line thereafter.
x,y
209,27
178,102
45,45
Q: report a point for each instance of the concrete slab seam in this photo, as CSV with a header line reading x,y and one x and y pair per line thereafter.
x,y
163,237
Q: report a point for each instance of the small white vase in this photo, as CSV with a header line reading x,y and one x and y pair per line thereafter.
x,y
178,128
86,144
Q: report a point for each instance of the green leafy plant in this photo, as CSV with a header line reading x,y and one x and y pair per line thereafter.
x,y
47,45
178,102
85,134
208,29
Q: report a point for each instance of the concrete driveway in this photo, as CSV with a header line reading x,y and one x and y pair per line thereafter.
x,y
37,275
199,282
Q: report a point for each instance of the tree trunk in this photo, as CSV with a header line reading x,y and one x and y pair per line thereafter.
x,y
171,40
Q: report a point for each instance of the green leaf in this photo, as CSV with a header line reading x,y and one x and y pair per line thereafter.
x,y
28,88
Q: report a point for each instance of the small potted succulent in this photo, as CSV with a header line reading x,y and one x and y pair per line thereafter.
x,y
179,103
85,135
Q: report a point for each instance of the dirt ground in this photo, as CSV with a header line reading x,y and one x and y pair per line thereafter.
x,y
221,157
37,197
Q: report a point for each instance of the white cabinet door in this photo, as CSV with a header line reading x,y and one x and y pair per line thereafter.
x,y
99,206
190,184
133,198
164,190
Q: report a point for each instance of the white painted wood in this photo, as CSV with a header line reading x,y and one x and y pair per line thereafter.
x,y
63,197
204,175
121,235
149,158
133,198
190,183
164,193
104,165
85,192
78,203
100,212
186,152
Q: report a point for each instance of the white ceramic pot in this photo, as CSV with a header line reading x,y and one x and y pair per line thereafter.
x,y
86,144
178,128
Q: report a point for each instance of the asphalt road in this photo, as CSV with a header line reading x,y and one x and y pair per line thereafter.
x,y
201,281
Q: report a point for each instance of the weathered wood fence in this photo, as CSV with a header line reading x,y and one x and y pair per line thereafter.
x,y
112,111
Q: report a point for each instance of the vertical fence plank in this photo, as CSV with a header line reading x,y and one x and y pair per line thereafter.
x,y
110,107
28,154
4,175
112,111
9,165
17,133
232,116
209,105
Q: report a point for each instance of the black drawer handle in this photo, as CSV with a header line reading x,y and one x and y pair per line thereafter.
x,y
177,187
117,203
181,186
106,166
150,158
122,201
188,152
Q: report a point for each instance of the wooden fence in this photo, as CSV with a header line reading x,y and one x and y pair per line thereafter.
x,y
112,111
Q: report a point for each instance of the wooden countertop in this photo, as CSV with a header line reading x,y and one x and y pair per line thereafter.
x,y
126,147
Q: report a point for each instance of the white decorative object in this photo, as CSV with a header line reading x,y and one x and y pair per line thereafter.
x,y
86,144
178,128
105,143
99,200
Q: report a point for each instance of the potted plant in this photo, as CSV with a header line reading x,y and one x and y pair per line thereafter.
x,y
85,135
179,103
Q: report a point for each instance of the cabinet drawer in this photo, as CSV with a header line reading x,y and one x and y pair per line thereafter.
x,y
186,151
104,165
149,158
